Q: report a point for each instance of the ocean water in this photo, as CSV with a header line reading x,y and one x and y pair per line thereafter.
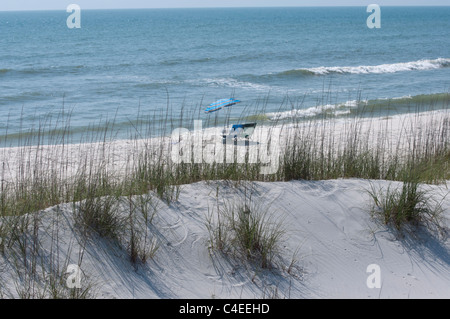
x,y
159,65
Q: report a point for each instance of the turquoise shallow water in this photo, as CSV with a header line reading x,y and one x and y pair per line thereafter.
x,y
128,65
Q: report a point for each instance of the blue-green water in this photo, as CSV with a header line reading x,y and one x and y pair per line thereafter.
x,y
121,62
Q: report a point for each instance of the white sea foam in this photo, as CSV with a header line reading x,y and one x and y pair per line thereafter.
x,y
336,109
233,83
383,68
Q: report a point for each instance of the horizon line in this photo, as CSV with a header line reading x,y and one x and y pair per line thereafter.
x,y
222,7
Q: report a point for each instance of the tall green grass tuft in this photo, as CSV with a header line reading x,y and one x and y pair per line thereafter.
x,y
407,206
246,231
141,243
96,207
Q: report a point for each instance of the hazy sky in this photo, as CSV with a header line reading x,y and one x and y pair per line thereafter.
x,y
116,4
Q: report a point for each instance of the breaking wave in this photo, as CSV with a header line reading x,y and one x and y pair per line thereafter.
x,y
398,104
371,69
335,109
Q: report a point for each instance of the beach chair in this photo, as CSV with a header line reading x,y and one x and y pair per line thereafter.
x,y
239,131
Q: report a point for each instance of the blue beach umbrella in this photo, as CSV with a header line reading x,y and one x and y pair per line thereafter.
x,y
221,104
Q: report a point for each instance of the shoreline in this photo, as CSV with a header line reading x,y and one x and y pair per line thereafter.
x,y
393,132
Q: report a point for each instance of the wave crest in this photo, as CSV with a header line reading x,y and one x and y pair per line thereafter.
x,y
373,69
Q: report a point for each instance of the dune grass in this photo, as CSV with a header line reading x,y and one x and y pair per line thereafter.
x,y
41,175
246,230
47,168
407,205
